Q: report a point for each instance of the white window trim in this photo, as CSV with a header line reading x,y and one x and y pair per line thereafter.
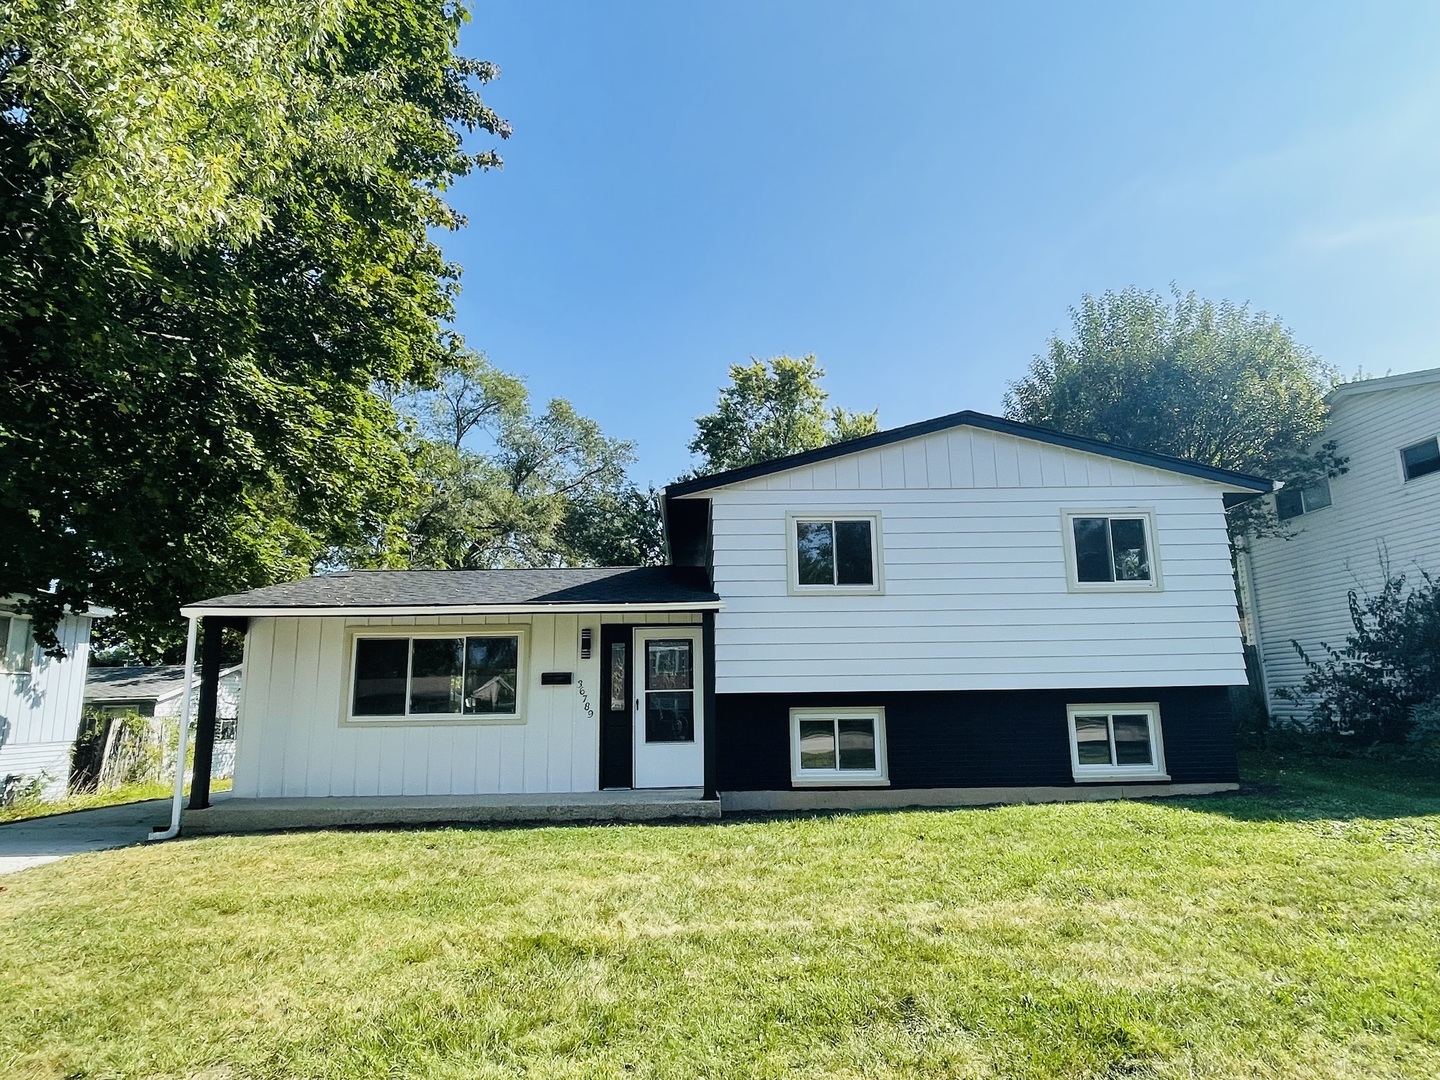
x,y
28,654
522,694
1154,771
1305,508
1072,572
792,558
878,777
1400,459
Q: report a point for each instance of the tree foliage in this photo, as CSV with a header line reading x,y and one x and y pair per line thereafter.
x,y
215,240
499,485
772,408
1214,383
1383,684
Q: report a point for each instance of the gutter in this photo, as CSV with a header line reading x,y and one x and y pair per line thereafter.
x,y
175,806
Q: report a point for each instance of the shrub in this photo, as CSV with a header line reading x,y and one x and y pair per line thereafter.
x,y
1383,686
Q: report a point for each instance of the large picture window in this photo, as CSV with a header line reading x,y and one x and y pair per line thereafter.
x,y
835,553
1116,742
436,676
838,747
1111,550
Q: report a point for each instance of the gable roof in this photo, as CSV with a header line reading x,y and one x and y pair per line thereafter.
x,y
135,683
985,422
1386,382
399,592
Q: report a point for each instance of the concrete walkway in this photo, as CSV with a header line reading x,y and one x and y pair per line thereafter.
x,y
42,840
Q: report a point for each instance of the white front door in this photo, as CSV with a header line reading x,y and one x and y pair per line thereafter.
x,y
669,713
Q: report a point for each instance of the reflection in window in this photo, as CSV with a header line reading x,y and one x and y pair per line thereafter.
x,y
1422,459
669,690
837,552
436,676
1108,741
1111,549
845,745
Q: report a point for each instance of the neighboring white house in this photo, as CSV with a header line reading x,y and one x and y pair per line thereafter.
x,y
40,701
967,609
157,692
1384,510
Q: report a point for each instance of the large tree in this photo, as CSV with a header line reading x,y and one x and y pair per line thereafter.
x,y
215,240
772,408
1215,383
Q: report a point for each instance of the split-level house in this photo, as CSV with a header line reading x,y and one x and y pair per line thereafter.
x,y
963,610
1382,515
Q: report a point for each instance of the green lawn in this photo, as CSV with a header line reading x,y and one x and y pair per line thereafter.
x,y
25,809
1288,932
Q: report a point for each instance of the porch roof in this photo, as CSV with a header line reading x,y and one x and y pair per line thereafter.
x,y
474,592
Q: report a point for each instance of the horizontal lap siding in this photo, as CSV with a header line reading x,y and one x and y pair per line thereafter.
x,y
1301,583
291,742
975,738
974,571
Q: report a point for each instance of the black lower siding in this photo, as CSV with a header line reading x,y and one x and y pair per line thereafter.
x,y
977,738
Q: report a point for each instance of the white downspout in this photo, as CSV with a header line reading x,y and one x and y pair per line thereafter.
x,y
174,829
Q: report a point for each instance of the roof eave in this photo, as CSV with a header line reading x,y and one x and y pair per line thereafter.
x,y
193,611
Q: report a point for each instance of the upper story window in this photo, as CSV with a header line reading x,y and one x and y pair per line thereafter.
x,y
1111,550
436,677
17,647
1421,459
1291,502
835,553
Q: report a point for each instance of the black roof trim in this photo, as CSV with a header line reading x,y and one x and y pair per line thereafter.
x,y
985,421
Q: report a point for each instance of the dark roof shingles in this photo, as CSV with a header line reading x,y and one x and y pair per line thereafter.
x,y
480,588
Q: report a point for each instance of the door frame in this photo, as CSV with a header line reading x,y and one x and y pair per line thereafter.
x,y
690,756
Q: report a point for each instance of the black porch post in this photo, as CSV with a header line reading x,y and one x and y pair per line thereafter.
x,y
707,647
212,629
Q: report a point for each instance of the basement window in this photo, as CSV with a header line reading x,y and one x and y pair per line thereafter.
x,y
838,747
1116,742
437,677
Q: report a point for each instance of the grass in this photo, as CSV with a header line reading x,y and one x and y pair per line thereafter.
x,y
1287,932
26,808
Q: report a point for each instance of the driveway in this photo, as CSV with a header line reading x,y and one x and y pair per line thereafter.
x,y
41,840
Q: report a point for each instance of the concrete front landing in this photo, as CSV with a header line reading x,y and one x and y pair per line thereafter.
x,y
232,815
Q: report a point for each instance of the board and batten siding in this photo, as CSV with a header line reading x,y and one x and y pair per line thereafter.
x,y
290,740
1301,584
40,710
976,595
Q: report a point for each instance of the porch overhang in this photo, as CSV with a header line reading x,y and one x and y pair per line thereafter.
x,y
371,610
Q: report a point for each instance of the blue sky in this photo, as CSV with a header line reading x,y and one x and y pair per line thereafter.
x,y
917,192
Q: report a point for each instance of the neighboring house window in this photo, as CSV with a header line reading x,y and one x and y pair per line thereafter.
x,y
1422,459
1116,742
17,645
1111,550
1292,502
836,747
436,677
835,553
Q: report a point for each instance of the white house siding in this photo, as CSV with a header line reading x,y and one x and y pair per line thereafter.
x,y
1301,584
227,703
290,741
975,587
40,711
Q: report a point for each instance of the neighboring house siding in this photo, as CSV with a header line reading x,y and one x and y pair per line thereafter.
x,y
975,583
1301,584
976,738
40,710
291,742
